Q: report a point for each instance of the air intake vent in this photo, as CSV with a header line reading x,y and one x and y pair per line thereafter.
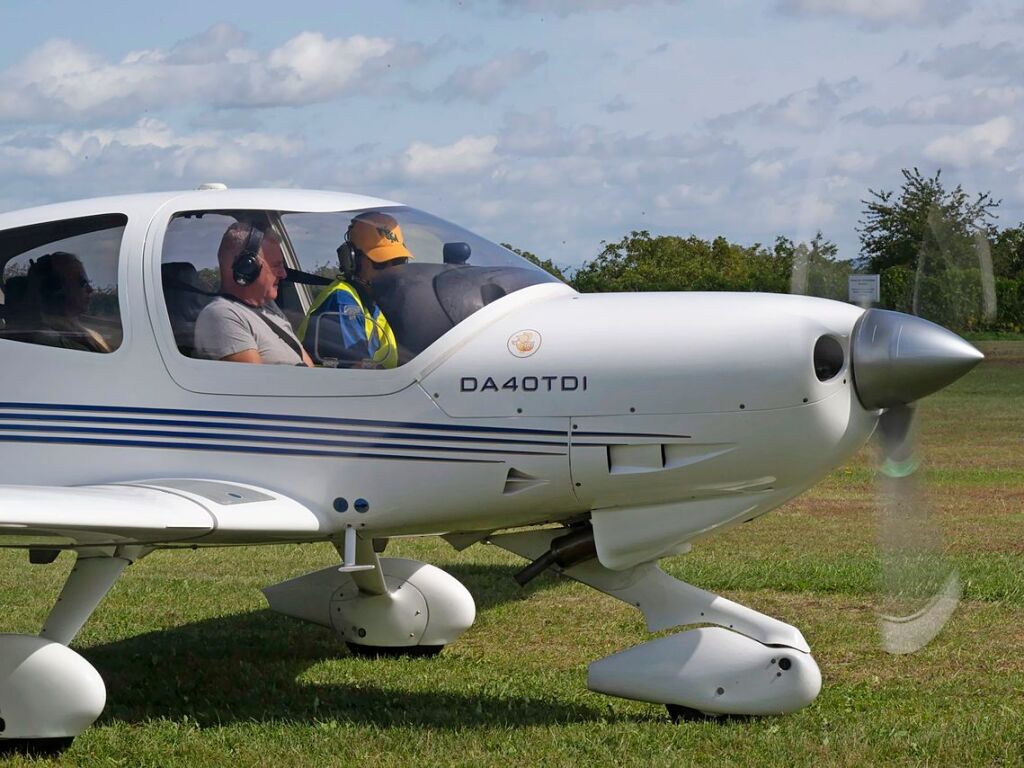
x,y
517,482
828,358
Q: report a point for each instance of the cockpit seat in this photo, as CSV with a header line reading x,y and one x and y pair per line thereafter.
x,y
15,288
185,297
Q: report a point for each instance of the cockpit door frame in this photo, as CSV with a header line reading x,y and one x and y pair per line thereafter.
x,y
239,379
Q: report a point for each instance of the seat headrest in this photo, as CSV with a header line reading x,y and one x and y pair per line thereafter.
x,y
180,274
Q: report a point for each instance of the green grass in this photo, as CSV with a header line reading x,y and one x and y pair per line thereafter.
x,y
993,336
198,672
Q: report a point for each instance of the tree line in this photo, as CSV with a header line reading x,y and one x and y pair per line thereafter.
x,y
938,251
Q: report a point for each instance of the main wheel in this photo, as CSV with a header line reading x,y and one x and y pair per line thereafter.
x,y
379,652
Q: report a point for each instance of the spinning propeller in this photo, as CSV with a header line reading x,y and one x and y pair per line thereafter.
x,y
897,359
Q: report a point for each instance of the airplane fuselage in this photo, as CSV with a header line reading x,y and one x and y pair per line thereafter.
x,y
693,410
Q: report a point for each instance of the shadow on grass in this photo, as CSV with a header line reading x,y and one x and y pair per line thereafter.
x,y
495,585
245,668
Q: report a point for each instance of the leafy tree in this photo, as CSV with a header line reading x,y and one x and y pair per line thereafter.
x,y
931,246
815,268
642,262
1008,253
927,228
546,264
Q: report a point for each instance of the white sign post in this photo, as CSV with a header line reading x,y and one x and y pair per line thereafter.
x,y
865,289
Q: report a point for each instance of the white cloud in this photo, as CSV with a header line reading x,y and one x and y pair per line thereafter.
x,y
1003,61
808,109
689,195
62,81
804,213
562,7
310,67
482,82
144,156
470,154
853,161
977,144
572,185
35,162
963,107
766,171
877,13
616,104
220,40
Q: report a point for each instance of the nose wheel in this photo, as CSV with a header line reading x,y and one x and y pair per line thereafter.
x,y
677,713
34,747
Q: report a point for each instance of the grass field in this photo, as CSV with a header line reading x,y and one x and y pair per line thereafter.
x,y
199,673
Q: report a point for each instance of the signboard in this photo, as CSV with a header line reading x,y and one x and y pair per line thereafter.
x,y
865,289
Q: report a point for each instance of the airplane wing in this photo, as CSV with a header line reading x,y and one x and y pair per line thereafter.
x,y
163,511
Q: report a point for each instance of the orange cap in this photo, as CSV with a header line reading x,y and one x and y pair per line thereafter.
x,y
378,236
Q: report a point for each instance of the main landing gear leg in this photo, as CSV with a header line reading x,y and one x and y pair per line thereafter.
x,y
747,664
48,693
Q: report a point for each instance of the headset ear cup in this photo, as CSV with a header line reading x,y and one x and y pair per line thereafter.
x,y
347,259
246,269
247,265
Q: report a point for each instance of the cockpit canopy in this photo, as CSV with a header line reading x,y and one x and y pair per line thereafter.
x,y
451,274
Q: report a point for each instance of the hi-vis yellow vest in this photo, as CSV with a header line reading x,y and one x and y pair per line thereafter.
x,y
380,339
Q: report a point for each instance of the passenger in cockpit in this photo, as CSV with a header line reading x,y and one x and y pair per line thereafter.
x,y
56,295
344,323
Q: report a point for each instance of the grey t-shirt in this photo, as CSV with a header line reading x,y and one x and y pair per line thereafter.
x,y
227,327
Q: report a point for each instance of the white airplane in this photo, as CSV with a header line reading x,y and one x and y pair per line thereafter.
x,y
590,434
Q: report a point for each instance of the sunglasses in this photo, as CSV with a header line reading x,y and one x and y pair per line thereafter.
x,y
379,265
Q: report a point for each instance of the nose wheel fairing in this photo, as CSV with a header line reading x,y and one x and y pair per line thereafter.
x,y
711,670
748,664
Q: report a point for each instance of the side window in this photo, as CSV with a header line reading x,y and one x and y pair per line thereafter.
x,y
259,314
59,284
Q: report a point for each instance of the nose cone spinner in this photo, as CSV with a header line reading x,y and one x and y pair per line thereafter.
x,y
900,358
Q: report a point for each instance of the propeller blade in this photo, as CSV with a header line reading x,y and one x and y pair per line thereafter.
x,y
896,435
918,588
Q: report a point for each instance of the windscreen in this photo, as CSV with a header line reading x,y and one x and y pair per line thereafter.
x,y
405,275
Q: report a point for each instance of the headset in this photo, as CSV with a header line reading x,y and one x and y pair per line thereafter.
x,y
349,255
247,265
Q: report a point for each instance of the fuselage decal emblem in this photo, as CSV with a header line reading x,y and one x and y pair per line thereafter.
x,y
524,343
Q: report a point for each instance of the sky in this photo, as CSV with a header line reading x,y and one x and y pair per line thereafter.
x,y
553,125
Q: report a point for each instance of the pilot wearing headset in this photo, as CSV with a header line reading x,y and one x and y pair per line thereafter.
x,y
243,324
344,323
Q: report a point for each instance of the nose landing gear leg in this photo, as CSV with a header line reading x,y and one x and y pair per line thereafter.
x,y
746,664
